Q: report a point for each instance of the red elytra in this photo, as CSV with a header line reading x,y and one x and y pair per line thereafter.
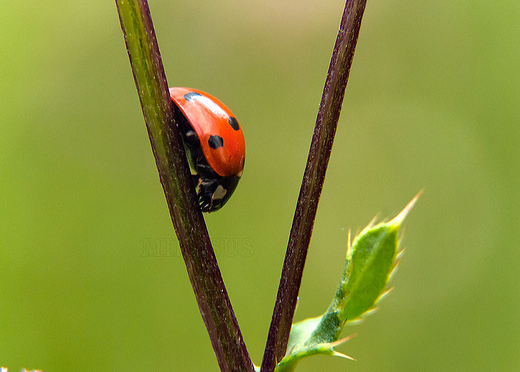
x,y
214,144
220,135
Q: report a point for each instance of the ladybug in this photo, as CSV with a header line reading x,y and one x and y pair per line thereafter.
x,y
214,142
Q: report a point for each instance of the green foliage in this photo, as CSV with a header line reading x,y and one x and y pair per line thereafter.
x,y
370,262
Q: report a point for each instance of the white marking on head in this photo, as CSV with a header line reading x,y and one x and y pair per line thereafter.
x,y
219,193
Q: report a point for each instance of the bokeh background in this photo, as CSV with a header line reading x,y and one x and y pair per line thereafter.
x,y
91,278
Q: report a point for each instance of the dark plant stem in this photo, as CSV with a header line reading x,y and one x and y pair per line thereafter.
x,y
174,174
321,146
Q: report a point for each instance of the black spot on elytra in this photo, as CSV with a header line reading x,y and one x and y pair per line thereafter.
x,y
191,96
215,142
233,122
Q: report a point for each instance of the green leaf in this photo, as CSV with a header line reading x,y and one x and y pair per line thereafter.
x,y
369,264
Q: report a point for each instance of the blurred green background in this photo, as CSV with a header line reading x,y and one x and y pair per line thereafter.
x,y
91,278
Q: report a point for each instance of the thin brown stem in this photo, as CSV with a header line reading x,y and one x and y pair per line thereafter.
x,y
314,176
174,174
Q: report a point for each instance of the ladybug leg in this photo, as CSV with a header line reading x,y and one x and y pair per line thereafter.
x,y
204,168
191,139
205,204
204,193
207,187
